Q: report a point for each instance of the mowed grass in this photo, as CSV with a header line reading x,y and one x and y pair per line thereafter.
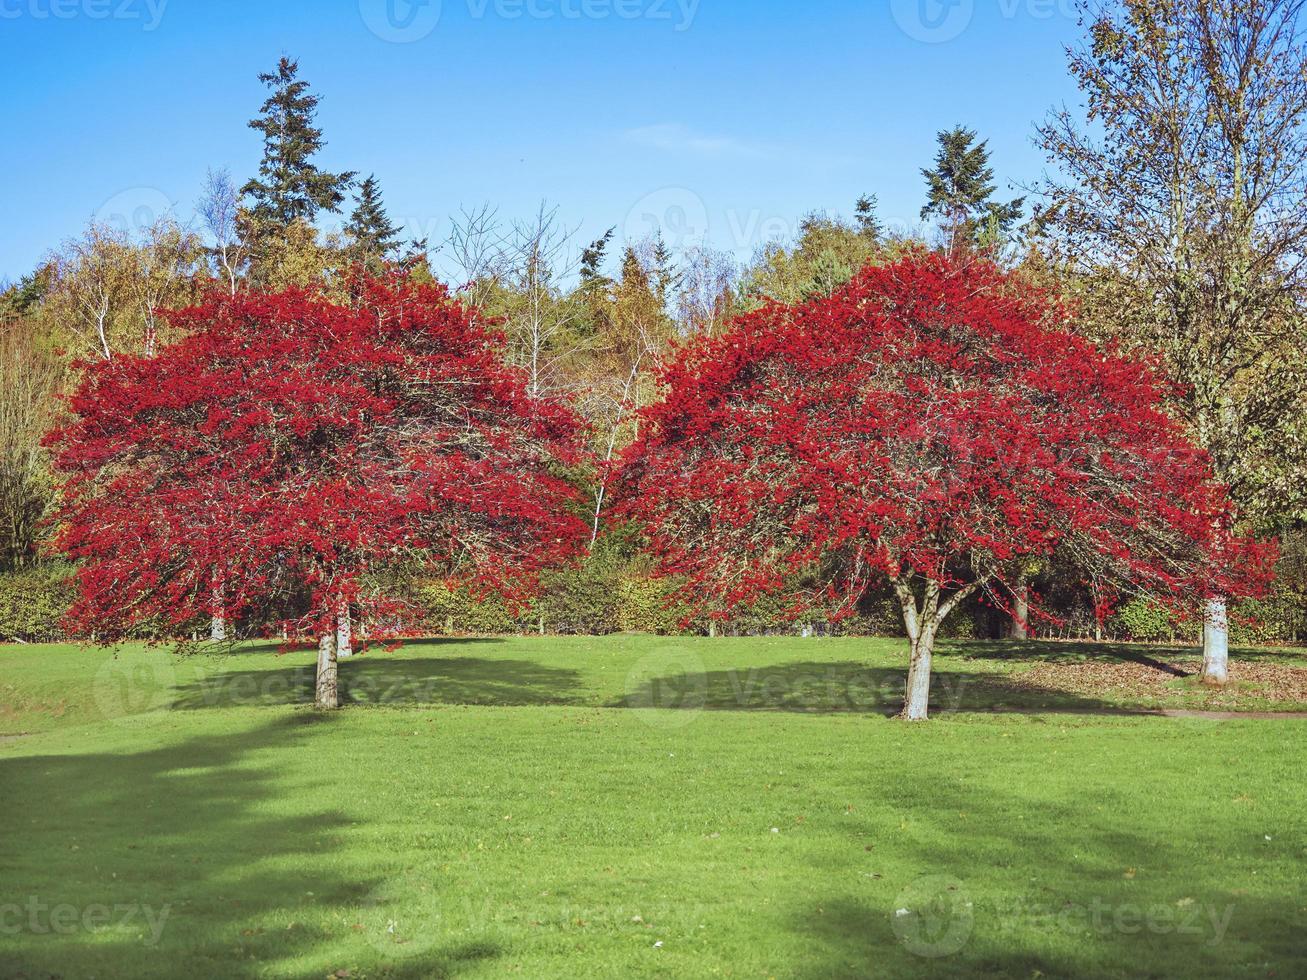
x,y
633,806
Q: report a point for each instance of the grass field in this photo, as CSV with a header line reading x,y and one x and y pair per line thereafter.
x,y
641,806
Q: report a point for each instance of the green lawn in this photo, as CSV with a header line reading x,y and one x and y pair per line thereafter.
x,y
637,806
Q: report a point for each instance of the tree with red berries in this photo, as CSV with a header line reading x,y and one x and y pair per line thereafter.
x,y
288,445
936,424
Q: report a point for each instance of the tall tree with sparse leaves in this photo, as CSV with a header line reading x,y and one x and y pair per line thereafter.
x,y
1180,208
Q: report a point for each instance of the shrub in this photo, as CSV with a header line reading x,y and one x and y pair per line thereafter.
x,y
1143,619
33,602
449,610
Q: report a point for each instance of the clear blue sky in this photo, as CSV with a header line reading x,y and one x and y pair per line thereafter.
x,y
725,117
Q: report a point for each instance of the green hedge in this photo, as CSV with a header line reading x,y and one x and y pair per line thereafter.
x,y
33,602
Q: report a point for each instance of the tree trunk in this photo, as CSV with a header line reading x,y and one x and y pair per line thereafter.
x,y
1021,611
344,633
1216,643
218,624
326,692
922,625
916,700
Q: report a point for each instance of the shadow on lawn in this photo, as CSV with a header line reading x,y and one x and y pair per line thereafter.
x,y
1062,652
194,850
380,680
280,646
1034,888
817,687
822,687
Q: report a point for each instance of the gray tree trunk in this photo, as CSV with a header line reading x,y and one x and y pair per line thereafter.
x,y
1216,643
1021,612
326,692
922,625
916,702
218,624
344,633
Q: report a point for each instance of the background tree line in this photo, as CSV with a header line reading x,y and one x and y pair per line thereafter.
x,y
1175,220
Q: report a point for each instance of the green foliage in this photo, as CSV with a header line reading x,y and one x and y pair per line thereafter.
x,y
960,191
646,605
826,255
454,611
290,187
1143,619
372,237
33,601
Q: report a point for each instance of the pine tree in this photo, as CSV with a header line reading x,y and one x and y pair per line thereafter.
x,y
373,237
290,187
864,213
592,257
960,192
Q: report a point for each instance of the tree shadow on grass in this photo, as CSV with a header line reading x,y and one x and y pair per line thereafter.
x,y
380,680
281,646
1063,652
189,859
838,686
1040,888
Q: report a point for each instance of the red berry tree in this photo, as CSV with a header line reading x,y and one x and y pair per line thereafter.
x,y
289,445
936,425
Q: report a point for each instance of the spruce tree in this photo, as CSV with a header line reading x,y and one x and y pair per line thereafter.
x,y
290,187
592,258
960,192
864,213
373,238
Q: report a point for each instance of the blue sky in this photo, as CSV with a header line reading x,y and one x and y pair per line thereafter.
x,y
720,118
